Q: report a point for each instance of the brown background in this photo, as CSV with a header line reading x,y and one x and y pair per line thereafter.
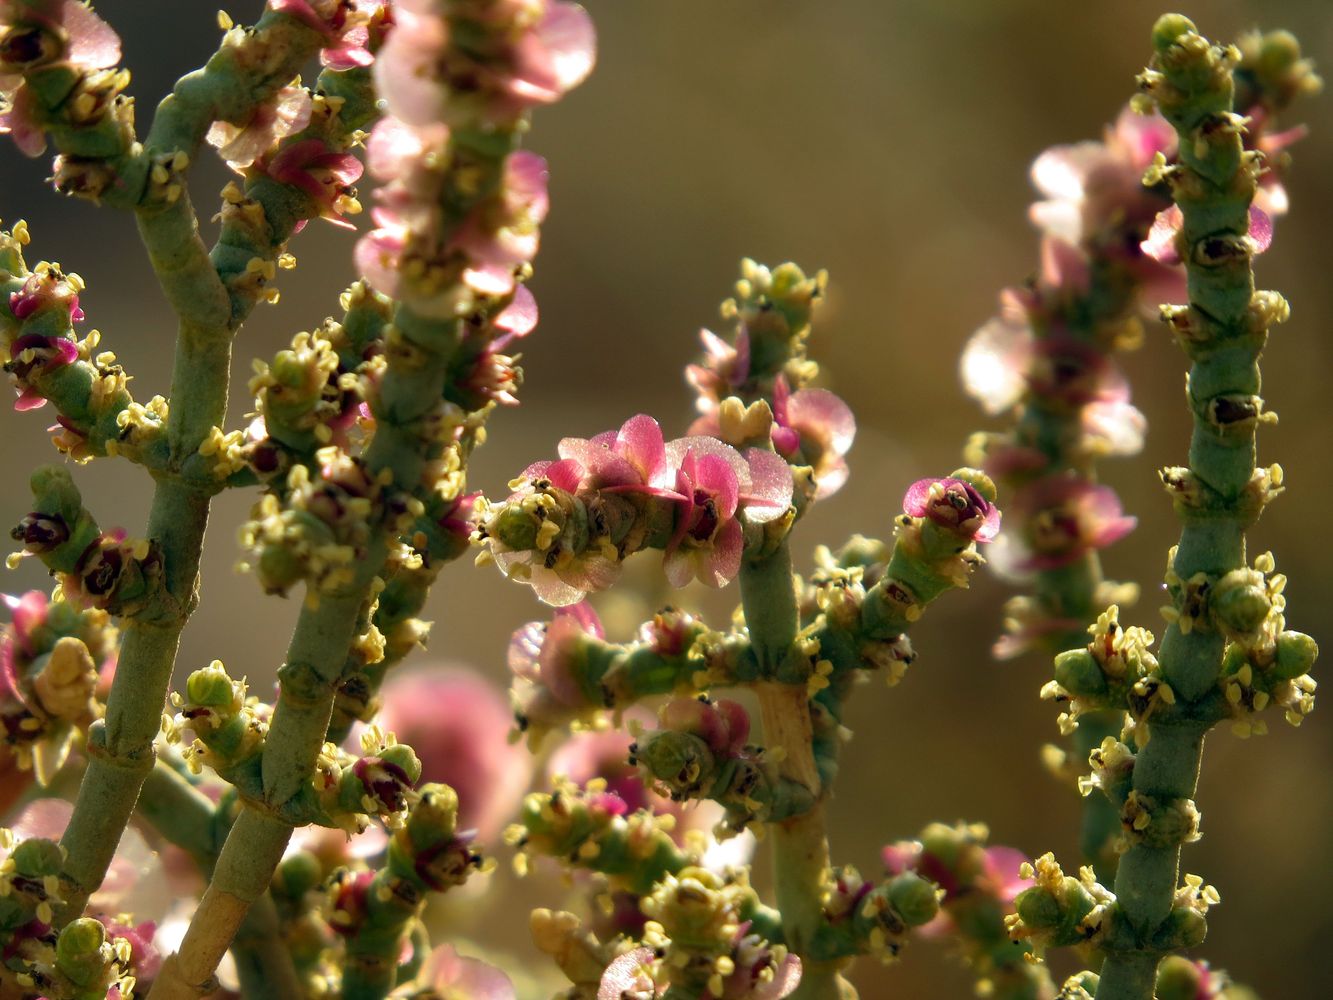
x,y
887,140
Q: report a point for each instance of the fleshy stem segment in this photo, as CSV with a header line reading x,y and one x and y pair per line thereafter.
x,y
1223,331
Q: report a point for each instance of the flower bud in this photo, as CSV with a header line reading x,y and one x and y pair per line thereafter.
x,y
37,858
1038,908
1169,29
297,875
1079,673
80,939
1296,653
1184,927
211,687
914,899
1239,601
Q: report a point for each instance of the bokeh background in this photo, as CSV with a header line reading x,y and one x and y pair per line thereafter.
x,y
888,141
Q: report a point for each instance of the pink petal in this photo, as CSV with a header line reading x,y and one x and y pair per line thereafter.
x,y
1261,229
995,362
724,562
824,416
771,484
1161,242
519,318
571,42
700,446
640,442
405,72
93,43
678,567
628,975
552,590
45,819
783,983
447,972
1061,172
1064,266
526,178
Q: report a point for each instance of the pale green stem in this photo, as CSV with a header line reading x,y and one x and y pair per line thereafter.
x,y
800,845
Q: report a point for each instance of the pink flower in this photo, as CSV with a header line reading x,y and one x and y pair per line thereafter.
x,y
323,174
287,113
1090,185
527,54
1163,242
445,973
724,369
544,658
35,33
504,234
756,974
459,726
953,504
1063,517
820,426
714,483
723,725
494,375
342,22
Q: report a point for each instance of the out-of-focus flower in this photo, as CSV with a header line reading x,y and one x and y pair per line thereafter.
x,y
459,726
1062,517
544,659
445,973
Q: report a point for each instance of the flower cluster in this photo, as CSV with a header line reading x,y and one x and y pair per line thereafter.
x,y
56,662
569,524
70,50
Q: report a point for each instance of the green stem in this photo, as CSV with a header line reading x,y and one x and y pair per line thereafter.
x,y
1213,186
800,844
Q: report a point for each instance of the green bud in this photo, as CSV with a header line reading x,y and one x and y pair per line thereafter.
x,y
1168,30
1296,653
981,482
297,875
1184,927
1240,602
37,858
1278,52
515,527
914,899
1038,908
403,756
681,761
210,687
434,817
279,568
1178,979
80,939
1079,673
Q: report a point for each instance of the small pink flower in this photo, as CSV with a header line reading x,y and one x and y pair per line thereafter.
x,y
445,973
820,426
287,113
953,504
1163,242
342,22
322,173
725,367
995,362
713,484
503,235
1063,517
35,33
459,726
544,658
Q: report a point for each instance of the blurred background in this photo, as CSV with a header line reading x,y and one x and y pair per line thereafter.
x,y
888,141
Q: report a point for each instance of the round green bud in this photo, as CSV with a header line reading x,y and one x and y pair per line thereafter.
x,y
434,817
279,568
1184,927
914,899
1296,653
981,482
681,761
80,939
1038,908
403,756
1178,979
37,858
944,842
1168,30
211,687
1240,602
298,874
1278,52
1079,673
515,527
